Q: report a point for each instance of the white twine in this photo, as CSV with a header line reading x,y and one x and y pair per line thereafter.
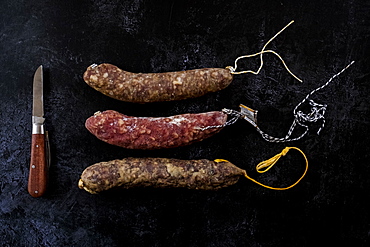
x,y
302,119
233,69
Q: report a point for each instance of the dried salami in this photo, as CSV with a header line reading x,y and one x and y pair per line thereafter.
x,y
154,133
154,87
159,173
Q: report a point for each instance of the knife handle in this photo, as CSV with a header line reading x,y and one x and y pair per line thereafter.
x,y
38,176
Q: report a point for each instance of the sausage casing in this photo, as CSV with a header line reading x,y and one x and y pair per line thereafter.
x,y
159,173
154,133
154,87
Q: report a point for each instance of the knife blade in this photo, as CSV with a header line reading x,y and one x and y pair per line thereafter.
x,y
38,174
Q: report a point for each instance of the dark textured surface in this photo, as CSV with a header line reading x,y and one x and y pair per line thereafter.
x,y
329,206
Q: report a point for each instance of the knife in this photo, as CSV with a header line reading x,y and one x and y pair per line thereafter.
x,y
40,150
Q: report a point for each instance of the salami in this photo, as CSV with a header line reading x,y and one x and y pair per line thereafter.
x,y
154,133
172,173
159,173
154,87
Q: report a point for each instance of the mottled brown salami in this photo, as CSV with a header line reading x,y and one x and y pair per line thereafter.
x,y
153,87
154,133
159,173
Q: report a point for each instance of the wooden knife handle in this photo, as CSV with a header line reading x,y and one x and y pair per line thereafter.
x,y
38,176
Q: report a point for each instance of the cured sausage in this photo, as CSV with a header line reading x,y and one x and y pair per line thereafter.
x,y
159,173
154,87
172,173
154,133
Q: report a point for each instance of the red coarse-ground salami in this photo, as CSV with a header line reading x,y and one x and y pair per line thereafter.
x,y
154,87
159,173
154,132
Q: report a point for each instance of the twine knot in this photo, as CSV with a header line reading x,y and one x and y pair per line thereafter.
x,y
317,113
285,151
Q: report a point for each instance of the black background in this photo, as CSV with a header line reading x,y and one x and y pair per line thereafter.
x,y
329,206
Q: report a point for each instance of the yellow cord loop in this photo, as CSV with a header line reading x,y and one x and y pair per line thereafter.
x,y
233,69
264,166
